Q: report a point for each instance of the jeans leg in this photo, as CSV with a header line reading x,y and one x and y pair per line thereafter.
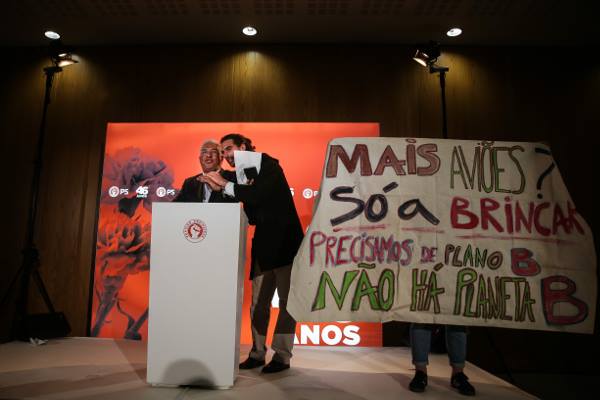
x,y
456,343
420,343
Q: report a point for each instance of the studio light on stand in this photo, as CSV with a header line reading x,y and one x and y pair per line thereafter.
x,y
27,326
64,59
427,56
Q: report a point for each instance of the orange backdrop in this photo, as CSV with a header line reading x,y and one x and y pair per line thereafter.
x,y
146,162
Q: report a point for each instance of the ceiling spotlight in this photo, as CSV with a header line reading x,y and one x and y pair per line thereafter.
x,y
454,32
52,35
427,54
249,31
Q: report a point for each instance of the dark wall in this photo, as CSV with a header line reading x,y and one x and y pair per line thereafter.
x,y
521,94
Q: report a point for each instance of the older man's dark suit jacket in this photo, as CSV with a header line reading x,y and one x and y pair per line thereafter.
x,y
270,207
192,191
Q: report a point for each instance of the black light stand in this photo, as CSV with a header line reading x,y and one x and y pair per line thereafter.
x,y
442,71
427,55
52,324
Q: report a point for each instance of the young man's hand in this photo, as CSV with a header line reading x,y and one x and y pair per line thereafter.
x,y
216,179
215,187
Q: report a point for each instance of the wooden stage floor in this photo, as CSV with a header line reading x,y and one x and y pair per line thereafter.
x,y
92,368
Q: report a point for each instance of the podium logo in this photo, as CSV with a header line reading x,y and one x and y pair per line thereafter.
x,y
194,230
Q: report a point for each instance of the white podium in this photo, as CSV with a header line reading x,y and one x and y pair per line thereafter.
x,y
196,292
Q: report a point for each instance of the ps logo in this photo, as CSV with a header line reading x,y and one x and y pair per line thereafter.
x,y
161,192
113,191
309,193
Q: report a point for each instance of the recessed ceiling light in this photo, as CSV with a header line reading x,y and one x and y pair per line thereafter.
x,y
52,35
454,32
249,31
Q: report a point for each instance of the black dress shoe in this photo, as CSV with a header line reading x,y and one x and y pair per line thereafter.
x,y
251,363
461,382
274,366
419,382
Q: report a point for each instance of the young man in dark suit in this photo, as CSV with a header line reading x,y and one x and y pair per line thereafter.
x,y
277,237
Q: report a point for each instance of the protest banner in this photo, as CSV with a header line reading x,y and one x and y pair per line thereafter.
x,y
445,231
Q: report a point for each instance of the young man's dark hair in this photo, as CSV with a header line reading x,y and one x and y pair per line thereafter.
x,y
239,140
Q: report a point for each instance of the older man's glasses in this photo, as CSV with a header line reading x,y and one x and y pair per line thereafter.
x,y
209,152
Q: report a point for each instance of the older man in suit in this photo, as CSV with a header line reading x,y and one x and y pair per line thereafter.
x,y
195,189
